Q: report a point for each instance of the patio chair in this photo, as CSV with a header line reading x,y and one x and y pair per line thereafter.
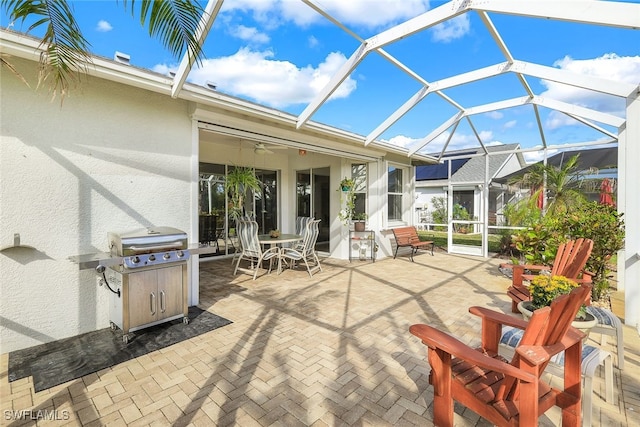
x,y
237,246
592,357
301,228
508,393
301,223
570,261
608,324
306,250
252,250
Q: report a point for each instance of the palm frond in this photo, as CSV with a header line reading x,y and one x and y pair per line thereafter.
x,y
66,50
176,23
5,63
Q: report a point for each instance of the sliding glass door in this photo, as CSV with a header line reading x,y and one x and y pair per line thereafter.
x,y
216,229
312,199
266,201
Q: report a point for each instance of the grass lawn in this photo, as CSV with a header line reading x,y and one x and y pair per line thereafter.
x,y
440,239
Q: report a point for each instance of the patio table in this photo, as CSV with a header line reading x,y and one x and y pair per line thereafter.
x,y
266,239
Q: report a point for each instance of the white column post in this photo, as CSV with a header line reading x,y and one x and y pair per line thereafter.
x,y
629,204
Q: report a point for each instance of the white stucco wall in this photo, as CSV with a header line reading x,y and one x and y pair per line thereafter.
x,y
111,158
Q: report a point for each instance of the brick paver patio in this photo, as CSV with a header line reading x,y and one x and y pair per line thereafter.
x,y
329,350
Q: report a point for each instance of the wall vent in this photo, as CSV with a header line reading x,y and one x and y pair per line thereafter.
x,y
211,85
122,58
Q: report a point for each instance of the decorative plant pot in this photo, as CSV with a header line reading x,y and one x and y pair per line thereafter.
x,y
585,325
359,225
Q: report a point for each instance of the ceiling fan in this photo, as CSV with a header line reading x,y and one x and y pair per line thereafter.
x,y
261,148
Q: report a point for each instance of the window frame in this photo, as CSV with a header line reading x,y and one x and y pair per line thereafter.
x,y
405,184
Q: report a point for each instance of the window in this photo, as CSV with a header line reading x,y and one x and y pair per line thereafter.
x,y
359,176
394,193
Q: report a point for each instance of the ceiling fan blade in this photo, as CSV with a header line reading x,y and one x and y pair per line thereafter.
x,y
261,149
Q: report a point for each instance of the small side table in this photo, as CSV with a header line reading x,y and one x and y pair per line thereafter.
x,y
364,243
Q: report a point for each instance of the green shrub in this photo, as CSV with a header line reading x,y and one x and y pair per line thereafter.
x,y
592,220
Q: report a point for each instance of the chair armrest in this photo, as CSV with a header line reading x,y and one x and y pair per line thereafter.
x,y
537,354
531,267
587,277
435,339
498,317
525,266
492,322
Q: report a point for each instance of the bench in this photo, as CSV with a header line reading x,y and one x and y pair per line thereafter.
x,y
408,237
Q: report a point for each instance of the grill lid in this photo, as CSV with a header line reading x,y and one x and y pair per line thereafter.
x,y
147,240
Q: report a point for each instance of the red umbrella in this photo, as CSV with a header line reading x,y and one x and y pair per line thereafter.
x,y
540,197
606,197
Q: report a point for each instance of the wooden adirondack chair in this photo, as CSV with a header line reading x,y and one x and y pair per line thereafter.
x,y
570,261
508,393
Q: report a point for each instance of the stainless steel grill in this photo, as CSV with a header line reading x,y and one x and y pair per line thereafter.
x,y
149,246
150,285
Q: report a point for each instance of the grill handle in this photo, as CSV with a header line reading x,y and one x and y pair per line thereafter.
x,y
152,300
170,245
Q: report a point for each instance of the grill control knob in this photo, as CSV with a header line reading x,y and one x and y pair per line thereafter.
x,y
180,254
166,256
135,259
152,257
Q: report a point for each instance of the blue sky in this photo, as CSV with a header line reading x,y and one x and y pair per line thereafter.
x,y
280,53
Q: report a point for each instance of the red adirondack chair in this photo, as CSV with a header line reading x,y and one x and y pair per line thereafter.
x,y
508,393
570,261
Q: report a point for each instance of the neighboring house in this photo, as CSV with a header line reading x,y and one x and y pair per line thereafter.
x,y
120,153
593,164
464,171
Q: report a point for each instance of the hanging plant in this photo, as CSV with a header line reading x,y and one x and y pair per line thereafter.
x,y
347,188
239,181
347,184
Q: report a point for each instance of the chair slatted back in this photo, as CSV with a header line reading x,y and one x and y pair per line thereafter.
x,y
301,224
310,237
571,258
547,327
248,235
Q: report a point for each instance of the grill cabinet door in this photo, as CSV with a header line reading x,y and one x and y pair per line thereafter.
x,y
143,298
170,299
151,296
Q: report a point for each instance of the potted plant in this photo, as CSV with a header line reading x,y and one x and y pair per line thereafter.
x,y
348,198
347,184
544,289
239,181
359,221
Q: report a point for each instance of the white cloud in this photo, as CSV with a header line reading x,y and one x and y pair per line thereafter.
x,y
557,120
510,124
361,13
103,26
250,34
452,29
459,141
403,141
255,75
609,66
374,14
496,115
313,42
537,156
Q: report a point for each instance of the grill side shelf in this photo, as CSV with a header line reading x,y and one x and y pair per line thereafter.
x,y
91,261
